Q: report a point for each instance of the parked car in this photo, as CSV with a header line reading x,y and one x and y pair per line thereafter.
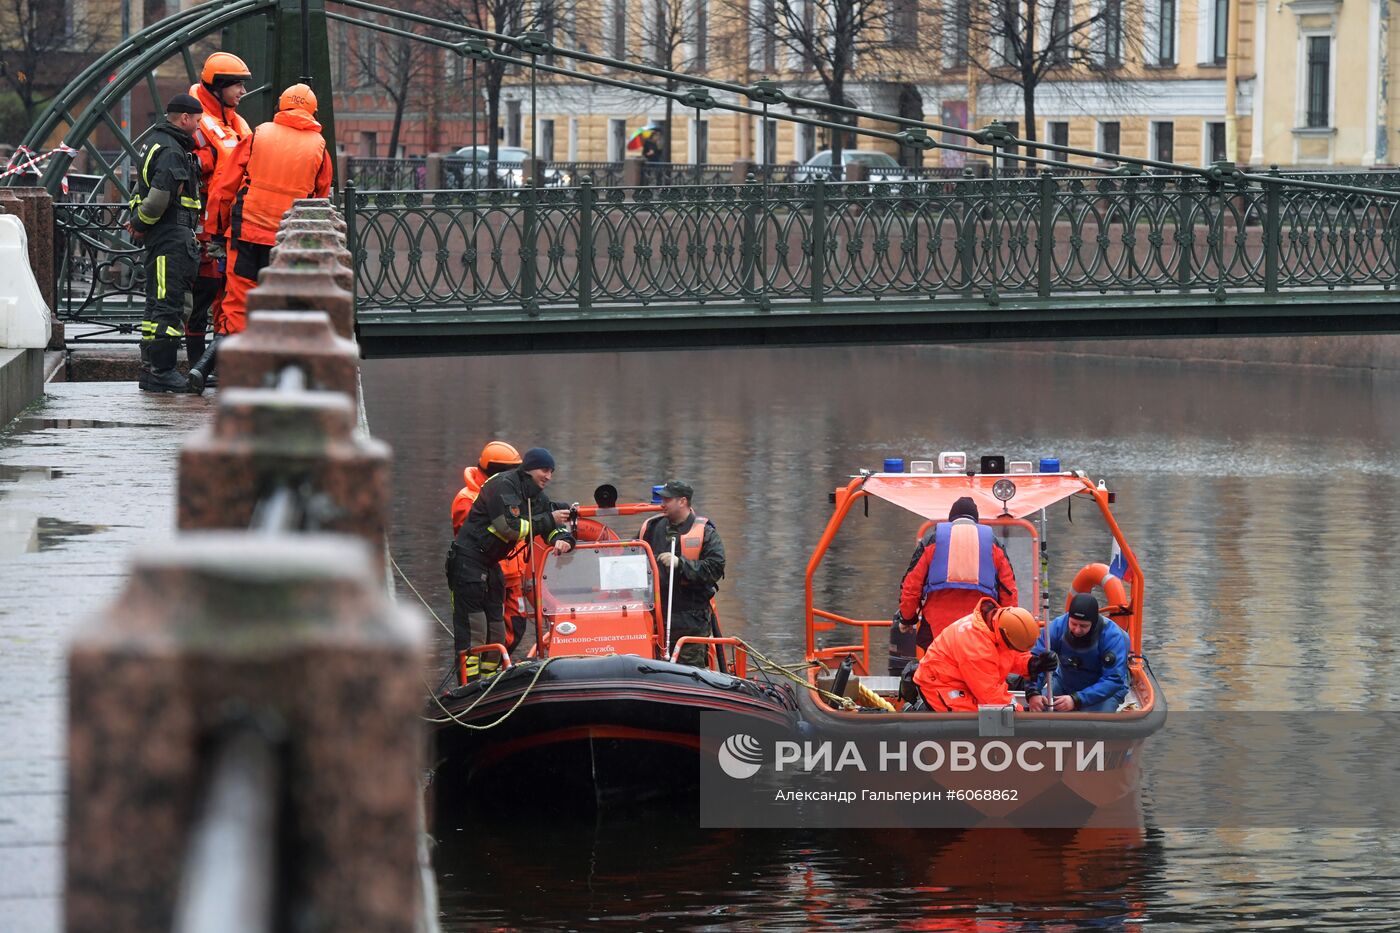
x,y
883,166
509,167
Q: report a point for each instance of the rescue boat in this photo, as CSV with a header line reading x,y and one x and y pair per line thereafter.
x,y
598,712
853,703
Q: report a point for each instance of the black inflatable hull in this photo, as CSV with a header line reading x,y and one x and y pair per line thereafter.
x,y
587,731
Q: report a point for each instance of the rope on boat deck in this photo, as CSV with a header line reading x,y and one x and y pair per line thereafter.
x,y
403,576
455,717
768,665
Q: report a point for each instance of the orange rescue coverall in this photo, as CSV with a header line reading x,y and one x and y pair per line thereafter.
x,y
282,161
967,665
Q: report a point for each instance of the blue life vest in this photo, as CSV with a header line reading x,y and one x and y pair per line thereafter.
x,y
955,567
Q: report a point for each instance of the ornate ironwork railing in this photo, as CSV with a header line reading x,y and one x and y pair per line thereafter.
x,y
409,173
100,272
761,244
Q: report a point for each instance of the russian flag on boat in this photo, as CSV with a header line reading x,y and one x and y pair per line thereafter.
x,y
1117,564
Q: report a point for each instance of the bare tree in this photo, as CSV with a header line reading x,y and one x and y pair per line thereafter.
x,y
1026,42
397,65
674,36
510,18
825,38
40,41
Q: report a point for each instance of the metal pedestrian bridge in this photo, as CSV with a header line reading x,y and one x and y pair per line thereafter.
x,y
1146,249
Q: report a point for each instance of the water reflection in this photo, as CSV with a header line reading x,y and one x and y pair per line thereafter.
x,y
1261,502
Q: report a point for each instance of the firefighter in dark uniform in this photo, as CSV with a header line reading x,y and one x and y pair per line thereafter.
x,y
509,512
164,214
699,564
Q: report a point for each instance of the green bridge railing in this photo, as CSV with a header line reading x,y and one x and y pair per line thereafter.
x,y
456,254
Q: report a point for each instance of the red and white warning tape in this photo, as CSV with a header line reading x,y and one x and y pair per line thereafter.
x,y
18,165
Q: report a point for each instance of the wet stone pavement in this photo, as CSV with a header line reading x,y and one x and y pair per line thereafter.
x,y
86,474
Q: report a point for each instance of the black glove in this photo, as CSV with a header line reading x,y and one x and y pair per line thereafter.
x,y
1043,663
900,620
908,690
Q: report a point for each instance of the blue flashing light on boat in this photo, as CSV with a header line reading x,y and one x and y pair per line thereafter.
x,y
894,465
656,494
1049,464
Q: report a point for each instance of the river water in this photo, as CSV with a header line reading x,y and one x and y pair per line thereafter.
x,y
1262,503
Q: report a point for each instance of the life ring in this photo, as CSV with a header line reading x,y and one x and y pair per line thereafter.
x,y
1092,575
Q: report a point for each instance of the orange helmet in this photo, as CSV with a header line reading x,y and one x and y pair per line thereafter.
x,y
1017,626
224,67
297,97
497,456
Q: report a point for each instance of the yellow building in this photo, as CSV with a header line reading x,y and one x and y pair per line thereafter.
x,y
1176,80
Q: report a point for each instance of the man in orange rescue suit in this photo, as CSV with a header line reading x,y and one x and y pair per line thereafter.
x,y
961,564
504,612
281,161
222,84
967,664
699,566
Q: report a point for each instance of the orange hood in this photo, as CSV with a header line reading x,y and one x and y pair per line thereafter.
x,y
297,120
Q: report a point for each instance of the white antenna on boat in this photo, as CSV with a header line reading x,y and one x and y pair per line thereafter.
x,y
670,590
1045,599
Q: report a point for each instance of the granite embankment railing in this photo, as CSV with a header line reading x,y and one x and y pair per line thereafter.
x,y
245,744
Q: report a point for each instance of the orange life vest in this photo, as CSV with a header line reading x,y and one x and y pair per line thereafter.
x,y
690,542
462,502
283,163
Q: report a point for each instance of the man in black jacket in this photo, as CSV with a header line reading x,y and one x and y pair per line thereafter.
x,y
164,214
698,556
510,510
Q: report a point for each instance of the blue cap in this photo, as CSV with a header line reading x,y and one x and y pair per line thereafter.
x,y
1049,464
894,464
656,494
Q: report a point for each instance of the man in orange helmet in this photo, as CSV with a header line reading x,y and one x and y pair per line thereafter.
x,y
221,86
281,161
967,664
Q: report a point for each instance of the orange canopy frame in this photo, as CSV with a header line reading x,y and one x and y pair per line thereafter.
x,y
932,495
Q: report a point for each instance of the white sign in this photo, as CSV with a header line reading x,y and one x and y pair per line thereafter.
x,y
627,572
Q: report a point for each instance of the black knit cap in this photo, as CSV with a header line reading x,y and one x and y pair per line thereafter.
x,y
183,103
963,508
1084,607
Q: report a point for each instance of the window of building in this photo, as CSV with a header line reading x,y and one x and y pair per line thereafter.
x,y
1215,142
1166,31
573,139
1058,40
904,23
1319,82
1057,134
617,140
1113,33
617,29
369,143
770,37
661,33
1220,31
1110,139
806,142
513,123
961,25
699,140
1162,133
545,150
768,141
700,38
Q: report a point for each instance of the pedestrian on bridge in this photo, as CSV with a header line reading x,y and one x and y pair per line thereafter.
x,y
221,86
283,160
164,214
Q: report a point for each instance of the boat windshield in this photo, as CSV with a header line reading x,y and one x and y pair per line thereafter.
x,y
599,577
